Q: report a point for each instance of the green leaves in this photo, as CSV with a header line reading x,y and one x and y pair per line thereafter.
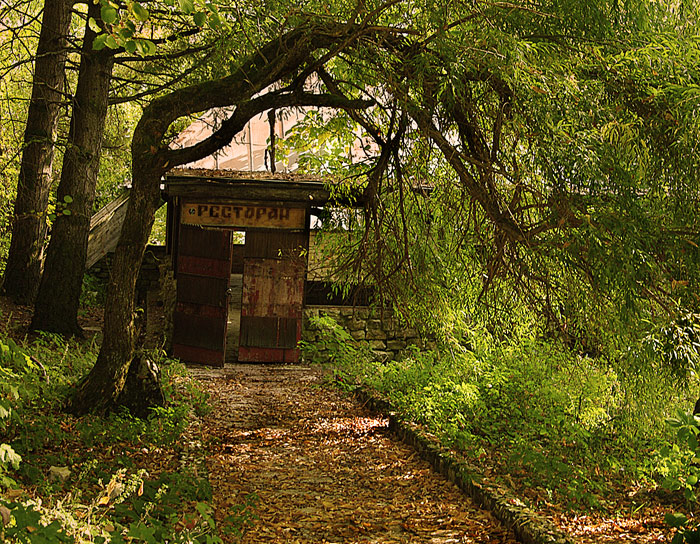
x,y
200,18
675,520
63,207
8,457
140,12
120,28
145,47
92,24
108,14
28,527
99,42
186,6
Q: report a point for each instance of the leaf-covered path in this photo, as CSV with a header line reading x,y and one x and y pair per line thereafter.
x,y
323,468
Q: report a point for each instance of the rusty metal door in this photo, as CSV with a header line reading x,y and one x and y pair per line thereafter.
x,y
203,270
273,296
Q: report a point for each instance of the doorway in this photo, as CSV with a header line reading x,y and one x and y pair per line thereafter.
x,y
239,295
235,292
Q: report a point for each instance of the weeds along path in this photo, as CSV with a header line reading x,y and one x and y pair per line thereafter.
x,y
323,468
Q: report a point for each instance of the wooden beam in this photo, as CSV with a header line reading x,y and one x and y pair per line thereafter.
x,y
264,191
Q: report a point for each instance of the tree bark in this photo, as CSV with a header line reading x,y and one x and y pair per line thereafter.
x,y
102,387
56,307
23,268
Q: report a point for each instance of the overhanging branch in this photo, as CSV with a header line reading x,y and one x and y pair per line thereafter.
x,y
249,109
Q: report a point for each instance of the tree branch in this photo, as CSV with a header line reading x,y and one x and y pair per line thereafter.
x,y
249,109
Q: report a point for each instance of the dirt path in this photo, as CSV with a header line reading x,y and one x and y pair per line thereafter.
x,y
323,468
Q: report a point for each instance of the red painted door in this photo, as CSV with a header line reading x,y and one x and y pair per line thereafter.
x,y
203,271
273,296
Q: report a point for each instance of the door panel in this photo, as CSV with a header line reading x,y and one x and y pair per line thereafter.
x,y
273,295
270,332
203,269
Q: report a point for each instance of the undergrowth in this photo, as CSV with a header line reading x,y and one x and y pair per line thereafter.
x,y
96,479
566,428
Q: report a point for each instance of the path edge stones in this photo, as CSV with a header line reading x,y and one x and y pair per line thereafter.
x,y
528,526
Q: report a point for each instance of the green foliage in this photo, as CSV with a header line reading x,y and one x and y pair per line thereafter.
x,y
336,346
326,144
28,529
678,466
127,26
157,235
556,422
61,207
14,364
676,347
128,508
107,497
92,294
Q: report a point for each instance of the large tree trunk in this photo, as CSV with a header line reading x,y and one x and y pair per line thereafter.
x,y
56,307
23,268
102,387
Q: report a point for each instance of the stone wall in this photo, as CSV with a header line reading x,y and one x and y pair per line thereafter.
x,y
149,274
382,330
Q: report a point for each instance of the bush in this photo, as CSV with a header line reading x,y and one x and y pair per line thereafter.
x,y
547,416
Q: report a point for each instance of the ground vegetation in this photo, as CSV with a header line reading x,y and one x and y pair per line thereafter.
x,y
112,479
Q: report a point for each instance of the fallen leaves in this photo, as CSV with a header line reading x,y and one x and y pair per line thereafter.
x,y
325,470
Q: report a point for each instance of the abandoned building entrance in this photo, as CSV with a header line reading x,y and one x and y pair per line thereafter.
x,y
239,301
239,255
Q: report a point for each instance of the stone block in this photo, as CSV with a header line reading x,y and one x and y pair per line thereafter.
x,y
374,324
356,325
396,345
377,345
375,334
331,312
383,355
358,335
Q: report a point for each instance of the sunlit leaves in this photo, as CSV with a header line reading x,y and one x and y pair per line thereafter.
x,y
187,6
140,12
108,14
127,26
200,18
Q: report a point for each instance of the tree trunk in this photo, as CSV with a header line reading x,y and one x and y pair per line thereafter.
x,y
56,307
23,268
102,387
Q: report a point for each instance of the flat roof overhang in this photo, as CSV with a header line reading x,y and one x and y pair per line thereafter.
x,y
246,186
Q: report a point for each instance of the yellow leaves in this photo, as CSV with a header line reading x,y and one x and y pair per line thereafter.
x,y
114,489
5,515
675,284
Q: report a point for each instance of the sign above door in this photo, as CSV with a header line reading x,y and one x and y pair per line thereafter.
x,y
242,215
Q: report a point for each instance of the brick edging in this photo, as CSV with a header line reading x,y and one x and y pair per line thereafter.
x,y
528,526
